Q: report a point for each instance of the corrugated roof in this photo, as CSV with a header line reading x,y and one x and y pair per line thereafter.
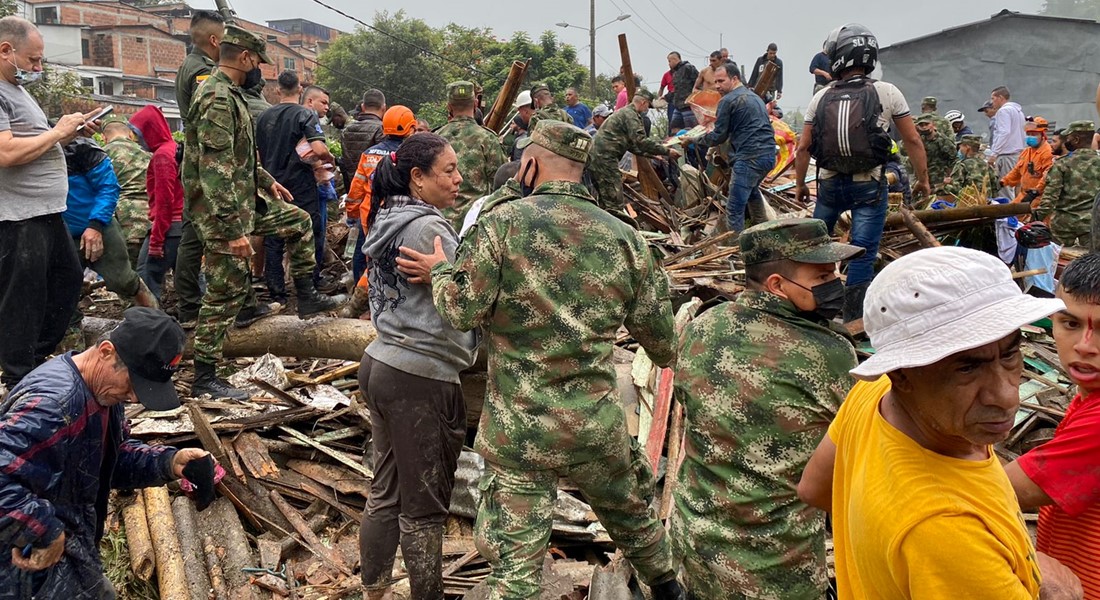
x,y
1004,14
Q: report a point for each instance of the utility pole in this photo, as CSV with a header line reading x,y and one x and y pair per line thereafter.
x,y
592,49
223,8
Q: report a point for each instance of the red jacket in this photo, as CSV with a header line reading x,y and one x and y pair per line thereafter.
x,y
163,177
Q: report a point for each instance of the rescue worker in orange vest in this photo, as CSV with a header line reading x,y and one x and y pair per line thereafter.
x,y
1029,174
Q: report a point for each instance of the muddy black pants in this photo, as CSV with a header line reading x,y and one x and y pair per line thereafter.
x,y
418,426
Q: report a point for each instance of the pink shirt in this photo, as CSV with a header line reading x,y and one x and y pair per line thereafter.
x,y
621,100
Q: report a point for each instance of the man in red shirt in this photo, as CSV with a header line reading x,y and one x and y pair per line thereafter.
x,y
162,180
1062,477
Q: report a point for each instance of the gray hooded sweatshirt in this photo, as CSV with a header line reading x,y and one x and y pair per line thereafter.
x,y
412,336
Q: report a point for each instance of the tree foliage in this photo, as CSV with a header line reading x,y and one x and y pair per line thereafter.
x,y
418,79
59,92
7,8
1080,9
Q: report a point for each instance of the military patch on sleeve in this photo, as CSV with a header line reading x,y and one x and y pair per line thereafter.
x,y
202,78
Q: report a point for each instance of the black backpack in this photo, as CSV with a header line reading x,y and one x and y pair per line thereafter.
x,y
847,137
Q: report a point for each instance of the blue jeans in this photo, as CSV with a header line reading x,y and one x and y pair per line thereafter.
x,y
868,203
746,175
681,118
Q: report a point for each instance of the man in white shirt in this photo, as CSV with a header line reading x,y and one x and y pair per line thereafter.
x,y
1009,142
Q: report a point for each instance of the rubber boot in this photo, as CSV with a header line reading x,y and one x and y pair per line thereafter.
x,y
251,314
311,302
669,590
853,302
359,304
144,297
208,382
423,554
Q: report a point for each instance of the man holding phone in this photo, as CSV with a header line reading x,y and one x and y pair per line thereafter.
x,y
40,276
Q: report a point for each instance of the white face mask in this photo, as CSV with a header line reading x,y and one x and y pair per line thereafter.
x,y
24,77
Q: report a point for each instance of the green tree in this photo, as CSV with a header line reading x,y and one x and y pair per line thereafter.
x,y
7,7
59,92
1080,9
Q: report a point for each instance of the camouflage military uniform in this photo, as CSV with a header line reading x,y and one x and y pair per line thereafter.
x,y
622,132
760,382
479,157
942,125
1072,185
131,163
221,177
972,172
942,155
552,113
257,104
550,278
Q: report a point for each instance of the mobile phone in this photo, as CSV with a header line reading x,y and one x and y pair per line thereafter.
x,y
102,112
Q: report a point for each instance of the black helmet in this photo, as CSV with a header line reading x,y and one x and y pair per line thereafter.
x,y
851,45
1034,235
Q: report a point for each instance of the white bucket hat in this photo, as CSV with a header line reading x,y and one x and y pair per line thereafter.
x,y
937,302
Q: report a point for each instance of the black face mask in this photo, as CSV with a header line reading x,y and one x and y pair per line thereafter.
x,y
253,78
828,298
525,189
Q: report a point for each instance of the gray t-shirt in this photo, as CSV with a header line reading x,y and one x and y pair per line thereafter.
x,y
41,186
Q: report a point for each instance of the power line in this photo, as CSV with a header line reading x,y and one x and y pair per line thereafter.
x,y
673,25
667,42
406,42
636,13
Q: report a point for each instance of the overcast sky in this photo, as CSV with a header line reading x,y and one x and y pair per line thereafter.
x,y
694,27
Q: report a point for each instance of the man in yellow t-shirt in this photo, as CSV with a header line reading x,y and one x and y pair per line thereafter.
x,y
921,507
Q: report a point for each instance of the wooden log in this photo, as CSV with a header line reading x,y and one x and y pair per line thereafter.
x,y
672,473
992,211
313,543
214,569
627,70
507,96
220,521
919,231
194,568
282,335
162,531
142,560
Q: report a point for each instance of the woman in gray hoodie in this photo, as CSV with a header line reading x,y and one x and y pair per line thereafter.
x,y
409,374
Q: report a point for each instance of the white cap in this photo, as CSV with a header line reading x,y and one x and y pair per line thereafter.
x,y
523,99
936,302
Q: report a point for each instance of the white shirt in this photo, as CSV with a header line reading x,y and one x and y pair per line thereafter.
x,y
894,106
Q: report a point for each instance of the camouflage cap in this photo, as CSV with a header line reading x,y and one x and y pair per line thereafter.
x,y
113,119
247,40
971,140
644,93
923,118
798,240
539,87
929,101
561,138
460,90
1081,126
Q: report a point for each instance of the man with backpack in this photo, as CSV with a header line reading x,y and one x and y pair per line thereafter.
x,y
846,132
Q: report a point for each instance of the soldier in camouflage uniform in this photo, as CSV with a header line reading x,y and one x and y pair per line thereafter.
x,y
546,107
972,171
939,149
221,178
928,107
760,380
622,132
551,278
1072,185
478,149
131,163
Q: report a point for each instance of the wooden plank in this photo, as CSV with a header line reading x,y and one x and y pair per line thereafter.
x,y
336,455
337,477
254,456
313,543
655,443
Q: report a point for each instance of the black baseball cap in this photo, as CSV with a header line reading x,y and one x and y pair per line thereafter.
x,y
150,344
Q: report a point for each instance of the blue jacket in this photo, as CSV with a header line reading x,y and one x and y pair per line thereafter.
x,y
743,119
93,187
61,452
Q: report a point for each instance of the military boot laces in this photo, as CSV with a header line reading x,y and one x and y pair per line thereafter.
x,y
311,302
207,382
669,590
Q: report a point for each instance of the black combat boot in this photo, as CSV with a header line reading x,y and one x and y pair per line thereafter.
x,y
311,302
251,314
669,590
853,302
208,382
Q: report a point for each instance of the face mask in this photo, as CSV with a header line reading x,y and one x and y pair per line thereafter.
x,y
525,189
23,77
1032,141
828,296
254,78
960,155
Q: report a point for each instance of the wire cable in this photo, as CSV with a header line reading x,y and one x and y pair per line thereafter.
x,y
673,25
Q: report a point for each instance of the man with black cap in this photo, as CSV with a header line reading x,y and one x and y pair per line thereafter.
x,y
64,443
622,132
761,379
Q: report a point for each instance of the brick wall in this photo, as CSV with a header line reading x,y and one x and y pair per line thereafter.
x,y
143,51
100,14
